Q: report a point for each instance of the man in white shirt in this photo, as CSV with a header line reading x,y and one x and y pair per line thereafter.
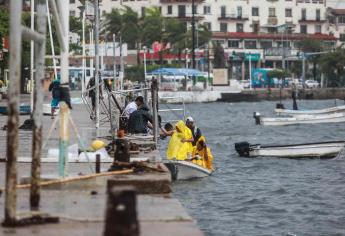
x,y
133,106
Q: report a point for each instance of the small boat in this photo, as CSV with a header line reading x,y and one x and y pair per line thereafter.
x,y
24,109
310,112
183,170
305,150
302,119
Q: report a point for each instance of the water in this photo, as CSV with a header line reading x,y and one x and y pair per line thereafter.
x,y
265,196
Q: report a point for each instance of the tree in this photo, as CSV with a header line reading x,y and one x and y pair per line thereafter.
x,y
332,64
311,45
219,61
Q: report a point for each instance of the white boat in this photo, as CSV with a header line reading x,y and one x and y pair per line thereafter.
x,y
302,119
310,112
183,170
309,150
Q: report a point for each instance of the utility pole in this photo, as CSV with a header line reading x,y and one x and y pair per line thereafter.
x,y
193,34
96,6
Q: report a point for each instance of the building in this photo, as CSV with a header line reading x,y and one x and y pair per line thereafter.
x,y
257,33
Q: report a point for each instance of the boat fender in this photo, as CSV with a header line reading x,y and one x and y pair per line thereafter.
x,y
257,116
243,149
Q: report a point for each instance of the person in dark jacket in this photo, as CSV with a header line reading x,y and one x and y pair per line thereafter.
x,y
138,120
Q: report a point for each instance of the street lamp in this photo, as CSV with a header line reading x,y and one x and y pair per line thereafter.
x,y
187,58
144,48
250,71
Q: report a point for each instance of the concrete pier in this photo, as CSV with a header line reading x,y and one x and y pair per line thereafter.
x,y
81,206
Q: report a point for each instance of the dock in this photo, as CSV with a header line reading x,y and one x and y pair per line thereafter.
x,y
81,205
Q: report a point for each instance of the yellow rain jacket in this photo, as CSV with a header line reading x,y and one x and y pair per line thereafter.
x,y
206,160
177,149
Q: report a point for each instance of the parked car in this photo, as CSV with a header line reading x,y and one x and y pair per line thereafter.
x,y
312,84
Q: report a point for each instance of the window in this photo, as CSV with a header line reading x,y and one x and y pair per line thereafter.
x,y
169,10
239,27
317,29
288,12
239,12
342,37
304,29
181,10
223,11
318,15
207,10
143,11
266,44
72,13
271,12
304,14
255,11
195,10
223,27
208,25
341,19
233,44
250,44
71,1
255,27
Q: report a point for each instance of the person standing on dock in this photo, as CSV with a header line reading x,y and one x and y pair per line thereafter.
x,y
55,89
195,130
294,97
92,94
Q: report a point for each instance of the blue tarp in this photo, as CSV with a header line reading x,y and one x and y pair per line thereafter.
x,y
176,71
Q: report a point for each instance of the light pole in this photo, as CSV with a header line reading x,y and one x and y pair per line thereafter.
x,y
144,48
193,34
187,58
250,71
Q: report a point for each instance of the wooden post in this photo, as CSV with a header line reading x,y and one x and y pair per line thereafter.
x,y
154,96
37,110
13,116
64,139
98,163
121,216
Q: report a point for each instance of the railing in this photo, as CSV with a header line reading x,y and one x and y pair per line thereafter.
x,y
233,17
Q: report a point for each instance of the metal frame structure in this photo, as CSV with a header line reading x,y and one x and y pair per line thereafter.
x,y
18,32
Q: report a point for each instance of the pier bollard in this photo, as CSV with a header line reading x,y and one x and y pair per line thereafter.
x,y
98,163
121,216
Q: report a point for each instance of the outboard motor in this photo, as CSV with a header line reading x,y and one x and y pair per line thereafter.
x,y
242,149
257,116
280,106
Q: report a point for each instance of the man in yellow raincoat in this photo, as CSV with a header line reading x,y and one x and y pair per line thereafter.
x,y
202,154
180,145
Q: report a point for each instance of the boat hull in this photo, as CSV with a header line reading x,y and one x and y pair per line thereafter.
x,y
303,119
310,112
307,150
184,170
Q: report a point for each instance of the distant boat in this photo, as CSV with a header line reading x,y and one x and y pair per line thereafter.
x,y
184,170
310,112
24,109
301,119
305,150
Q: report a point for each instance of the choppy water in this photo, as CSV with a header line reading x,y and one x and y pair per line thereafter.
x,y
265,196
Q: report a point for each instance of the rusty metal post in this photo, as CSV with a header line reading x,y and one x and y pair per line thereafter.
x,y
154,96
37,110
121,215
13,116
98,163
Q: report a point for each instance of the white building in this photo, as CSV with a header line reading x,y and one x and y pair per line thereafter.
x,y
268,30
